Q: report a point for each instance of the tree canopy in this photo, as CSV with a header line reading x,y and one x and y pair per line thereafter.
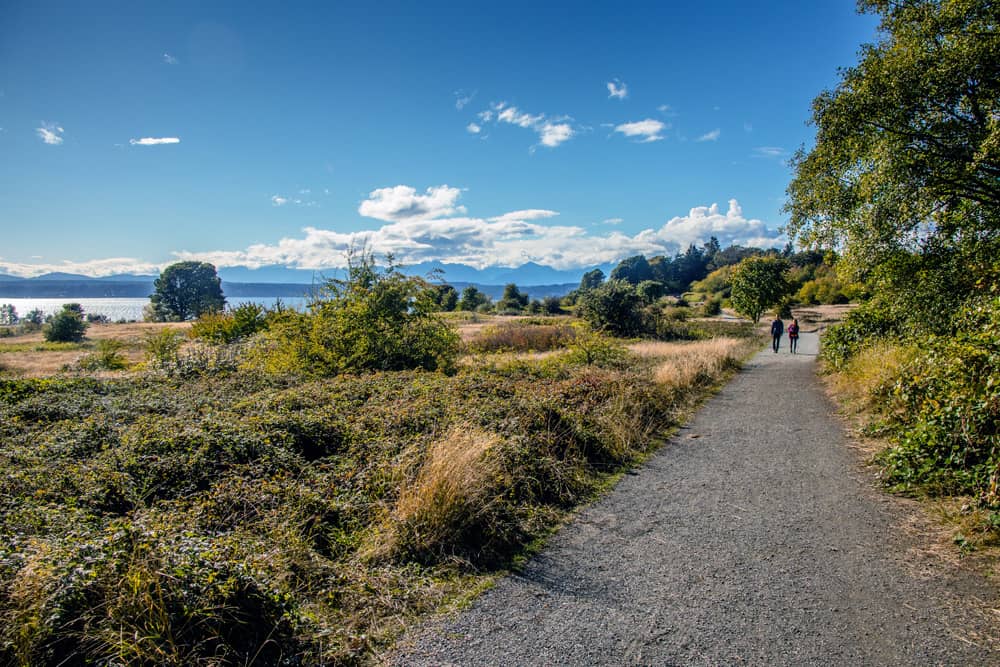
x,y
185,291
905,173
758,283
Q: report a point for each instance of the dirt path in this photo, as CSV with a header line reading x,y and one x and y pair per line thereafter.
x,y
753,537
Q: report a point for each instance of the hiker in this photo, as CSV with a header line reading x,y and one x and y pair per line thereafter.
x,y
777,328
793,335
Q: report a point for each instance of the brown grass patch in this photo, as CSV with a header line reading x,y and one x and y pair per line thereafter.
x,y
685,365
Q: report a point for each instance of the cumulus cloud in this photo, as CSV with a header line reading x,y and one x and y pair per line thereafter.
x,y
472,128
645,130
169,59
420,229
710,136
154,141
96,268
551,132
50,133
278,200
617,89
403,203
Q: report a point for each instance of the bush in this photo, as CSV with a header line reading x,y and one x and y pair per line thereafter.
x,y
66,326
518,337
107,357
376,319
613,306
943,411
235,324
162,347
862,326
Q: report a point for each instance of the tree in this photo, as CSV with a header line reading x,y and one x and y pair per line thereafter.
x,y
650,290
632,270
445,296
757,284
66,326
591,279
472,299
905,172
512,300
614,307
184,291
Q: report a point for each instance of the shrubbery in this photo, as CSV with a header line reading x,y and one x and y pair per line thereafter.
x,y
66,326
230,326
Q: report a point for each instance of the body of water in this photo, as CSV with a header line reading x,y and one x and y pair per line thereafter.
x,y
128,309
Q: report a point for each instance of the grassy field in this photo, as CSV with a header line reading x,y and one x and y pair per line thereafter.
x,y
240,517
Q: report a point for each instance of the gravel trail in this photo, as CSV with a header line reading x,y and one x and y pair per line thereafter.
x,y
753,537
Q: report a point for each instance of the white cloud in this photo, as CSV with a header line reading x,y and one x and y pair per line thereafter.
x,y
775,152
278,200
169,59
403,203
617,89
462,98
50,133
154,141
510,239
95,268
472,128
664,108
551,132
514,116
647,130
710,136
613,221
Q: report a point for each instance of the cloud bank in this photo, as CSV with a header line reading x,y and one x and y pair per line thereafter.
x,y
432,226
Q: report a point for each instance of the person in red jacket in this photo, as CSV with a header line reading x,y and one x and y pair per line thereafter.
x,y
793,335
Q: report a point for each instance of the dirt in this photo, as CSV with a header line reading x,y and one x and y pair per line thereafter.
x,y
755,536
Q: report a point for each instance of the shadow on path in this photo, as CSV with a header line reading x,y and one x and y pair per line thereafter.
x,y
752,537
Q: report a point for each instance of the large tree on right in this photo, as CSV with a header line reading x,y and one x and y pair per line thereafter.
x,y
904,177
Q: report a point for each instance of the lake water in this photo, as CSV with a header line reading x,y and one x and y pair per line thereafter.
x,y
128,309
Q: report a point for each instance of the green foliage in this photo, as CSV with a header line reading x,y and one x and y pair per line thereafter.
x,y
233,325
375,319
711,307
552,305
650,290
162,347
66,326
614,307
106,357
185,291
472,299
861,327
591,279
903,175
512,301
758,283
632,270
943,411
445,296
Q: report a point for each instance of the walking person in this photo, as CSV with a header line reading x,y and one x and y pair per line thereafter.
x,y
777,329
793,335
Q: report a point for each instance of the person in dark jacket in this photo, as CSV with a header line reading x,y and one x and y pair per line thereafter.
x,y
777,328
793,335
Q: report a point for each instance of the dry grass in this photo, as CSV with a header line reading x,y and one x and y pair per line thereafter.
x,y
868,369
452,491
42,363
681,366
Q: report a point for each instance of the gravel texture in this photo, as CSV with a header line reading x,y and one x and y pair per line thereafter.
x,y
753,537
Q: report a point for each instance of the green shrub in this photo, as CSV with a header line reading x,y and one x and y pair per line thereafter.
x,y
613,306
943,411
375,319
235,324
66,326
107,356
162,347
862,326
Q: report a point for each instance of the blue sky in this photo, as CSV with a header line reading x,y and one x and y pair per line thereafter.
x,y
137,133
